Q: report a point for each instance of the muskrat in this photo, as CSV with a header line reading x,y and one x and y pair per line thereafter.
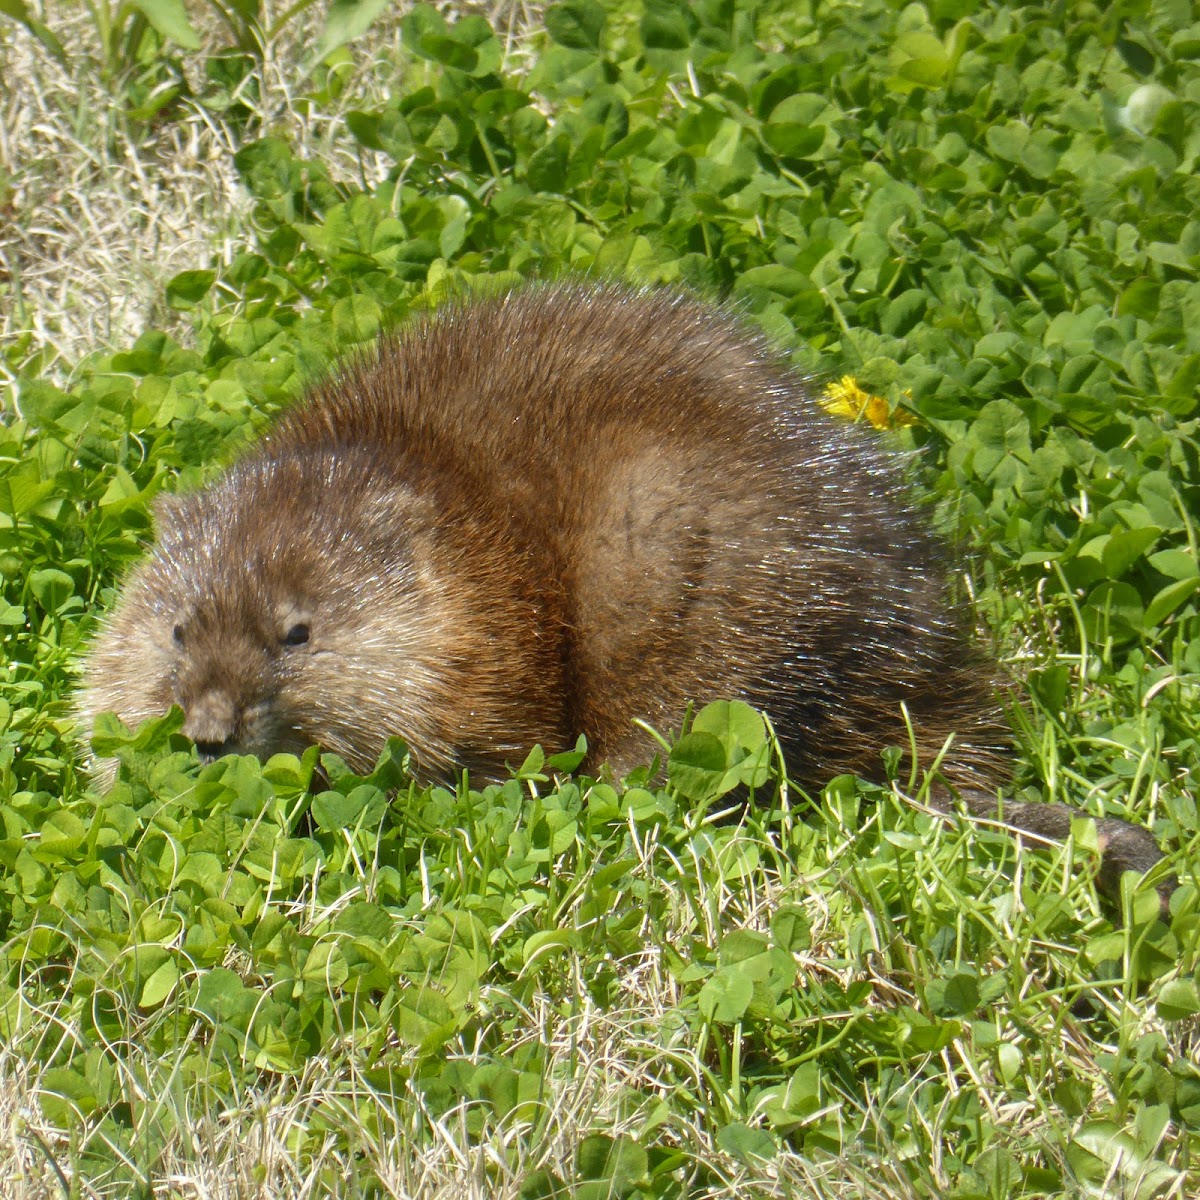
x,y
551,513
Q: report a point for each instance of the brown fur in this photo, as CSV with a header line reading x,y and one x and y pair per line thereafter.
x,y
545,515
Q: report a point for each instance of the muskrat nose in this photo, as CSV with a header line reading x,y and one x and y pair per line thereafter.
x,y
211,722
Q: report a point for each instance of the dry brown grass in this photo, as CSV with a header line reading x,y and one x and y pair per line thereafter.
x,y
250,1150
98,212
97,216
597,1062
624,1069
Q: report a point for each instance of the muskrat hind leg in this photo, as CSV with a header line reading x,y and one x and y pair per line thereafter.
x,y
1123,847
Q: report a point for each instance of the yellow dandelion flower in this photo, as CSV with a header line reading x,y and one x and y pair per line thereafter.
x,y
844,398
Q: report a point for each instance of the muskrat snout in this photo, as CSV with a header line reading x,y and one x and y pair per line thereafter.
x,y
212,722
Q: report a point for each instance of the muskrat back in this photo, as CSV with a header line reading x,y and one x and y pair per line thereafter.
x,y
547,514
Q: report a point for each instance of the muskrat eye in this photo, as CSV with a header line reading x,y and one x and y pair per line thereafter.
x,y
296,636
177,634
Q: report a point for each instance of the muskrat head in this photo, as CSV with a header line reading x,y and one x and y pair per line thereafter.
x,y
238,670
283,606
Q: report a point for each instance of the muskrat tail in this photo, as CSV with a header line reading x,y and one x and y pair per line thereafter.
x,y
1123,847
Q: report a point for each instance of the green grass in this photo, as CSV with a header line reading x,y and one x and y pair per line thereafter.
x,y
214,978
